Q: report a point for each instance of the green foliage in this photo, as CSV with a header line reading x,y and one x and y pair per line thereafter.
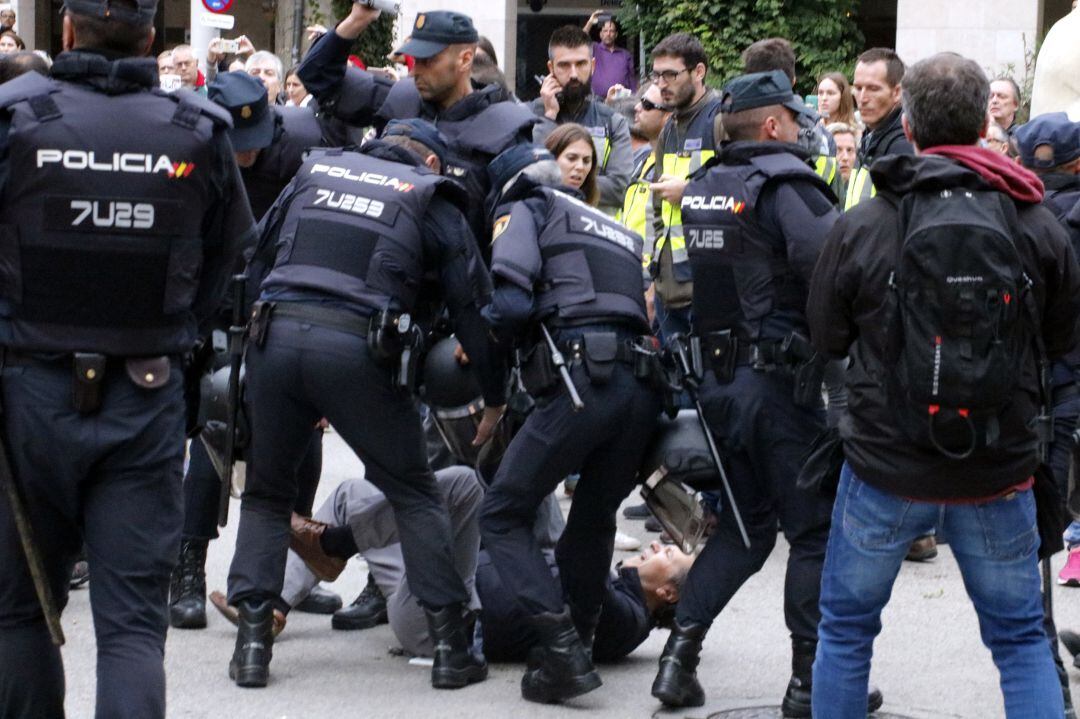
x,y
373,45
823,32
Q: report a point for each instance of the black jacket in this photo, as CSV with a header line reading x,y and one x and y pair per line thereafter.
x,y
847,311
888,139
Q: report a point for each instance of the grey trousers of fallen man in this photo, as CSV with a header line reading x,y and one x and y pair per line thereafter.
x,y
358,504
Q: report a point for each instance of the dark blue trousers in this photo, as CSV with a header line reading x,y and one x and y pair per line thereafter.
x,y
763,436
110,480
604,442
302,373
202,488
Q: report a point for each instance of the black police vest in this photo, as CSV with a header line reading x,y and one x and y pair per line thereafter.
x,y
296,129
101,216
353,230
742,279
591,264
474,143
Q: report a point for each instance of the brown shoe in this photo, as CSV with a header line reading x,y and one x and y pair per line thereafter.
x,y
304,537
233,615
922,549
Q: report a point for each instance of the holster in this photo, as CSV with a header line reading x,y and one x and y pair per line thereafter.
x,y
807,368
261,313
538,373
385,336
600,350
409,360
720,349
89,374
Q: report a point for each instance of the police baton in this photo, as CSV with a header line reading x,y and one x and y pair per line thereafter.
x,y
559,361
689,380
29,547
236,358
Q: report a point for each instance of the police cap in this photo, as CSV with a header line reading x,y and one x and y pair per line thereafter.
x,y
434,31
244,96
421,131
131,12
1048,141
512,161
761,89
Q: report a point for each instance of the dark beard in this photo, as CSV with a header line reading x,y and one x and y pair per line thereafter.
x,y
575,93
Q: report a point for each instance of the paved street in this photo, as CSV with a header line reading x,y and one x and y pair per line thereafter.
x,y
929,661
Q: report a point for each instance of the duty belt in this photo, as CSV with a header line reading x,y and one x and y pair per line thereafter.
x,y
330,317
624,351
755,354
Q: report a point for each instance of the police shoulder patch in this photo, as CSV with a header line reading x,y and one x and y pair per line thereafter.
x,y
499,227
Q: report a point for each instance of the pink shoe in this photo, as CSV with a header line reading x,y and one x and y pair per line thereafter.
x,y
1069,575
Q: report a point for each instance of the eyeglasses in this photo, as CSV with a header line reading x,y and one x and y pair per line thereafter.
x,y
668,76
649,105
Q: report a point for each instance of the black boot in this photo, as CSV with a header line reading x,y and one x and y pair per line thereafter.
x,y
796,704
676,684
455,664
1066,694
187,591
250,665
559,667
366,611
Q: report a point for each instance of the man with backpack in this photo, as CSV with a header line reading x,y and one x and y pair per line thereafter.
x,y
950,291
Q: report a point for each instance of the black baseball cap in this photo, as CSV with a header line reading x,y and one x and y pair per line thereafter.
x,y
761,89
137,12
1048,141
423,132
244,96
434,31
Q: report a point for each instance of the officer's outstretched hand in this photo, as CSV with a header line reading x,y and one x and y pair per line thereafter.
x,y
670,189
490,420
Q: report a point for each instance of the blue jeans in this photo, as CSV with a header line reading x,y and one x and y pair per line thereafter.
x,y
995,545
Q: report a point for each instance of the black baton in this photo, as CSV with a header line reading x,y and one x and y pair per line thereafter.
x,y
236,359
559,361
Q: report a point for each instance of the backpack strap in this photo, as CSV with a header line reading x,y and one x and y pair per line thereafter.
x,y
1044,423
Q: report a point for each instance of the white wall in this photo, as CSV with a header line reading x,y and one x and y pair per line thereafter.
x,y
991,32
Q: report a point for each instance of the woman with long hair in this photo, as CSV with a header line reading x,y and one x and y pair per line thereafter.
x,y
835,101
573,148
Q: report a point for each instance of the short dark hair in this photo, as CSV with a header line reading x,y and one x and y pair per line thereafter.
x,y
482,43
684,46
1015,86
775,53
744,126
894,66
18,63
485,72
415,147
111,34
570,36
945,98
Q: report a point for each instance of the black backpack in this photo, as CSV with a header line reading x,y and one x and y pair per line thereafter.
x,y
963,320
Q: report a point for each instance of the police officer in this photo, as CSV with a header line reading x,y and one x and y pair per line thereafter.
x,y
566,96
478,123
561,262
275,138
354,245
270,144
756,217
129,217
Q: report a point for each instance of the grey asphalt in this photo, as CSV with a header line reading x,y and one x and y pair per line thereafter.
x,y
929,660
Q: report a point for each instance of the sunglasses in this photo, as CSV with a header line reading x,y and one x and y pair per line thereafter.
x,y
649,106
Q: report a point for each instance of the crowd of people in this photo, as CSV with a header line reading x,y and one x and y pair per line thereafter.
x,y
862,306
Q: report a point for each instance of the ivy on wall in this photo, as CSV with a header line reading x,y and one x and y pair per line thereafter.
x,y
823,32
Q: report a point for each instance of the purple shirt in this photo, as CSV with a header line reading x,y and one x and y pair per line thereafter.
x,y
613,67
